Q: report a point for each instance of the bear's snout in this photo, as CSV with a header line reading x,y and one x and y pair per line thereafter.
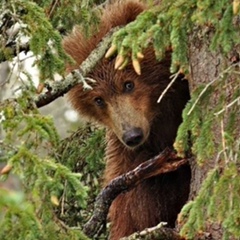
x,y
133,137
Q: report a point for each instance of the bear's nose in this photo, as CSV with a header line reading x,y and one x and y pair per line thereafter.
x,y
133,137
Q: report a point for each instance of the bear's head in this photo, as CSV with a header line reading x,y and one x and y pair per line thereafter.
x,y
123,101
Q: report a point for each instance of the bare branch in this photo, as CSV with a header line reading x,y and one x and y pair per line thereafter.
x,y
158,232
166,161
174,77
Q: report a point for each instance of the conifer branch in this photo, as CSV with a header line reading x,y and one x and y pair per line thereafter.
x,y
166,161
59,88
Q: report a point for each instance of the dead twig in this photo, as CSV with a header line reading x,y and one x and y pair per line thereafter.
x,y
166,161
158,232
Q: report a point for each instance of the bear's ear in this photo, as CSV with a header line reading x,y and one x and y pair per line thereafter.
x,y
121,13
77,96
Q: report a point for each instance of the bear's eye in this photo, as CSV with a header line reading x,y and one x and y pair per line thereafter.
x,y
99,101
128,86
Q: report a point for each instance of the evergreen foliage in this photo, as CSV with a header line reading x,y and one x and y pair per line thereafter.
x,y
31,142
42,22
221,189
168,25
82,152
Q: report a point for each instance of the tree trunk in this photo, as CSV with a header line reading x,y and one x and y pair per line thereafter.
x,y
205,67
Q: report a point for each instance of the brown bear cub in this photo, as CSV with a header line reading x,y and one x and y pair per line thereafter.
x,y
138,128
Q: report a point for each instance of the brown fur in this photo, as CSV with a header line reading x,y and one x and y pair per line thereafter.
x,y
159,198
